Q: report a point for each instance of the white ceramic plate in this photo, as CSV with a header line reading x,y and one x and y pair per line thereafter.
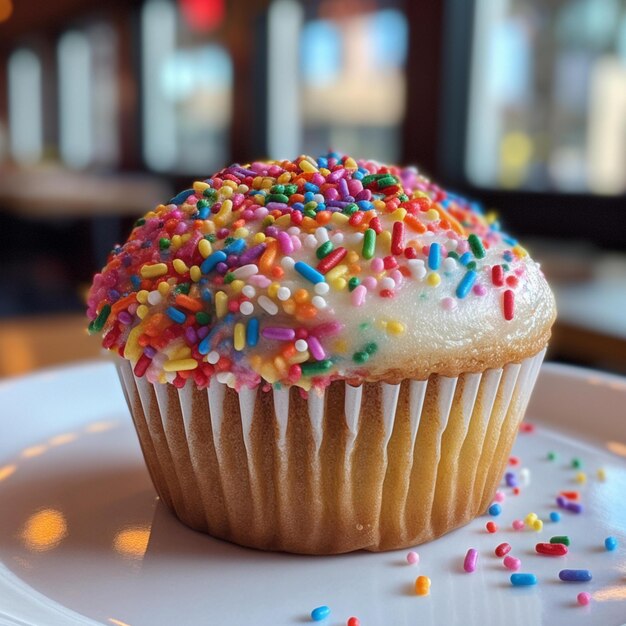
x,y
83,539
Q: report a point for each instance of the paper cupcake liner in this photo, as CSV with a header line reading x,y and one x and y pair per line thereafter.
x,y
373,467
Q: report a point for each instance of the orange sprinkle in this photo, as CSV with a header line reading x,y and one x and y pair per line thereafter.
x,y
143,340
305,311
354,268
296,197
156,324
188,303
323,217
308,223
301,296
123,303
268,257
455,225
414,224
239,223
277,272
289,350
289,306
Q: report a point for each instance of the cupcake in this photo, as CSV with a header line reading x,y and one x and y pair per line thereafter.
x,y
323,355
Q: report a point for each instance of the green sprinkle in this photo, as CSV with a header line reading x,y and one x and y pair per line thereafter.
x,y
350,209
371,348
212,237
278,189
353,283
277,197
141,221
267,221
552,456
403,197
369,243
182,288
202,204
370,178
209,192
98,323
360,357
453,255
364,326
229,278
164,243
386,181
203,318
310,212
311,206
476,245
320,367
564,539
471,265
576,463
324,250
505,267
290,190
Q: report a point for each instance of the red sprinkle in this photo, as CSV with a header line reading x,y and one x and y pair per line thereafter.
x,y
509,305
389,262
497,275
571,495
502,549
410,253
526,427
514,460
551,549
491,527
354,621
397,238
387,293
375,225
331,260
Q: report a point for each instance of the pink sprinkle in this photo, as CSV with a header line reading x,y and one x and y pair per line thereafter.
x,y
500,496
449,304
377,265
286,245
326,329
412,558
315,347
479,290
258,280
370,283
518,524
471,558
512,563
397,276
584,598
358,295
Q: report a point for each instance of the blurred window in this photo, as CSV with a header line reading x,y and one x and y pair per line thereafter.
x,y
187,92
25,106
88,97
548,96
349,88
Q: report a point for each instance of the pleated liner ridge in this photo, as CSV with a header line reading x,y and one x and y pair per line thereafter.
x,y
374,467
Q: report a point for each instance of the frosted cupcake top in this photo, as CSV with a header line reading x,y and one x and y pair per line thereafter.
x,y
307,271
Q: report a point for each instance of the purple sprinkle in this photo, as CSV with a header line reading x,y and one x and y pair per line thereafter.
x,y
317,352
561,501
221,268
574,507
190,335
364,194
335,175
337,203
511,479
125,317
252,253
279,333
271,231
202,332
149,351
343,188
279,206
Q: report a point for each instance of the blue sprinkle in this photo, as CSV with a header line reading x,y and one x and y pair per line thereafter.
x,y
495,509
575,575
358,175
252,332
175,314
203,213
555,516
236,247
510,240
320,613
181,197
434,256
208,265
204,346
365,205
523,580
467,282
508,256
444,203
310,187
322,162
308,196
298,206
465,258
610,543
309,273
135,280
206,295
321,207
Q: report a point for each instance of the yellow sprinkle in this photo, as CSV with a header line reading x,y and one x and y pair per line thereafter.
x,y
601,474
258,238
336,272
255,362
142,296
268,371
180,266
538,525
519,251
224,212
267,182
229,183
433,279
285,177
384,240
324,171
395,328
221,304
239,336
256,182
306,166
281,366
204,247
195,273
185,238
581,477
339,284
176,241
352,256
243,189
299,357
183,352
289,306
431,214
379,205
208,227
164,288
153,271
341,346
530,519
226,192
339,219
272,290
237,285
283,220
398,215
350,164
133,350
241,233
199,187
142,311
180,365
491,217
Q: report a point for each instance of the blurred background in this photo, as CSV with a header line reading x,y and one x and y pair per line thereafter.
x,y
107,107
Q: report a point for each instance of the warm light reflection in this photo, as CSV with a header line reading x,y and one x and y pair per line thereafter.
x,y
59,440
29,453
100,427
616,447
610,593
117,622
6,471
44,530
132,542
6,9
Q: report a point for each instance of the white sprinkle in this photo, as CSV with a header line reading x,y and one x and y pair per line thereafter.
x,y
524,476
451,244
321,234
249,291
154,297
418,271
319,198
322,288
387,283
245,271
287,262
318,302
283,293
355,238
227,378
293,230
310,241
301,345
337,238
267,305
246,308
449,264
213,357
